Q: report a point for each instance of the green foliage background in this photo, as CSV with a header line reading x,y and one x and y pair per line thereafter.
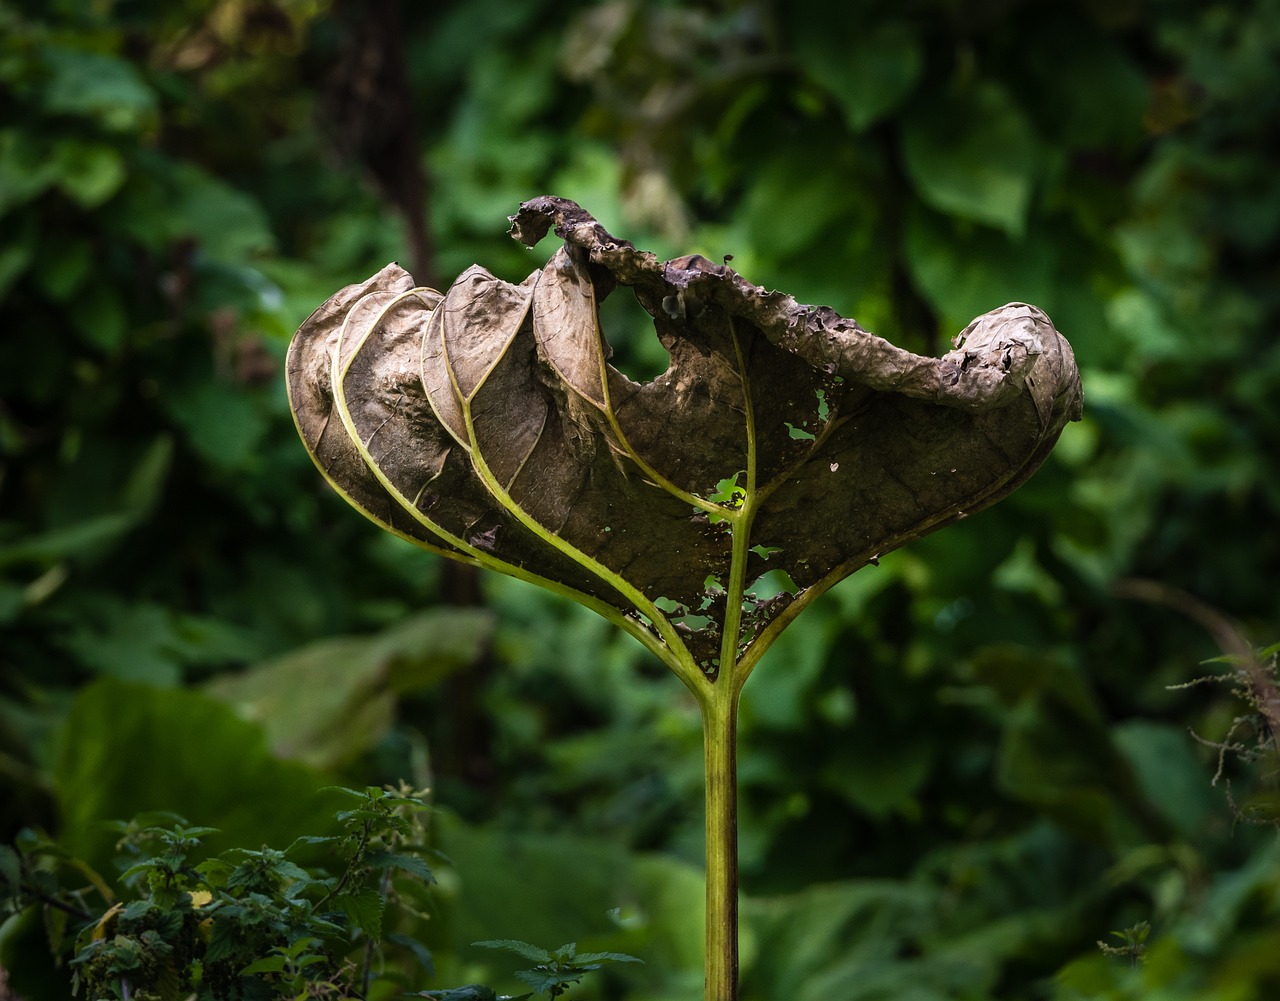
x,y
959,770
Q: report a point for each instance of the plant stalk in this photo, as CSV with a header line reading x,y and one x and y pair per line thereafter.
x,y
720,740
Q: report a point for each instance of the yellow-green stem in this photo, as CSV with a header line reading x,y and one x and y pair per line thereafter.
x,y
720,739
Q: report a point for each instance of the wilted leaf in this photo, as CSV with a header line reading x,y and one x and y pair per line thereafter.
x,y
488,425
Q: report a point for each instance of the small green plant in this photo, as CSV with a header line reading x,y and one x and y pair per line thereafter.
x,y
1133,943
246,923
551,976
1254,735
253,924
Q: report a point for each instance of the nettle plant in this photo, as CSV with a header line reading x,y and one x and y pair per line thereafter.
x,y
784,448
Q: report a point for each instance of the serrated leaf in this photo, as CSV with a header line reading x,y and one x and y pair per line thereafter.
x,y
471,992
488,425
309,840
542,981
195,832
405,863
364,909
136,909
605,957
268,964
522,949
290,871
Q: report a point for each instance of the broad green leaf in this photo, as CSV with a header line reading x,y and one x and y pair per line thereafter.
x,y
788,208
487,424
97,85
842,940
223,423
330,701
1170,774
963,269
411,864
127,749
868,71
545,982
26,169
972,152
132,642
268,964
164,201
10,869
14,261
523,949
58,543
66,265
605,957
471,992
1092,94
364,909
528,885
89,173
106,325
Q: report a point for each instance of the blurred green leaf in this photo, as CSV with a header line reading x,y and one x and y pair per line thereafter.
x,y
329,702
89,173
65,265
127,749
972,152
965,271
26,169
364,909
163,202
96,85
522,885
869,71
223,422
1170,774
104,323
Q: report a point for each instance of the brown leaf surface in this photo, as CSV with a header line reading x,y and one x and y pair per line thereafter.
x,y
488,425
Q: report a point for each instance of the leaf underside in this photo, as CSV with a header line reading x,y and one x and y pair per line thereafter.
x,y
488,425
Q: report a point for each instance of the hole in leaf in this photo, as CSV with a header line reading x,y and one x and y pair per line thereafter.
x,y
800,434
728,492
668,605
824,410
771,584
695,622
764,552
628,329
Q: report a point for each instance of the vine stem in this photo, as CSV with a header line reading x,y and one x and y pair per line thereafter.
x,y
720,738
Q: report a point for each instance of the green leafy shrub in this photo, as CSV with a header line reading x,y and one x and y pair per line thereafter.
x,y
245,923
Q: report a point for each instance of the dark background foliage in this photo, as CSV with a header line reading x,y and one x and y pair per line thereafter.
x,y
960,769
